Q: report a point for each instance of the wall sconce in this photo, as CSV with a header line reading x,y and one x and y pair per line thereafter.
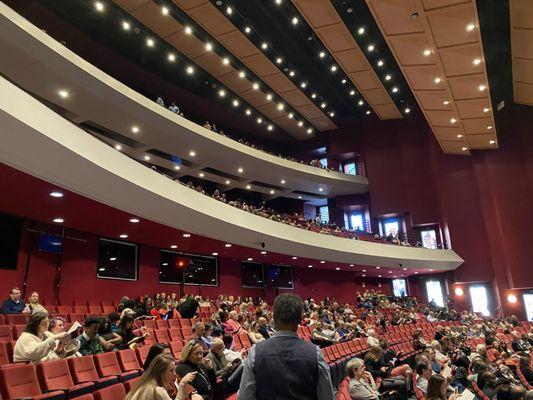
x,y
459,291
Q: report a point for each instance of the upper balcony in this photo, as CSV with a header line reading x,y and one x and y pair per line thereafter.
x,y
146,131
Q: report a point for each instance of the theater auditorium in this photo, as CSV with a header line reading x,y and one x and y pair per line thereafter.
x,y
266,199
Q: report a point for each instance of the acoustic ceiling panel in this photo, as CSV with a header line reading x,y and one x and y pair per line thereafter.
x,y
521,12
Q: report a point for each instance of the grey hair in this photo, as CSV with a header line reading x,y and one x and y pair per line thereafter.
x,y
353,365
288,308
480,347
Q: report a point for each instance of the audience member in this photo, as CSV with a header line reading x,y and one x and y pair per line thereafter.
x,y
192,360
90,342
33,304
229,372
13,305
362,385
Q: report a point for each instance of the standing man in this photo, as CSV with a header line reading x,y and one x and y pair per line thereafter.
x,y
285,366
13,305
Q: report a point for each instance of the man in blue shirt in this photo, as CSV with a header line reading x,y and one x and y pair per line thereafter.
x,y
13,305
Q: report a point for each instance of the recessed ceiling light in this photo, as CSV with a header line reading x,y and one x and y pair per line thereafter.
x,y
201,174
271,192
446,102
416,272
405,269
292,73
188,30
331,114
303,85
240,170
150,42
255,86
123,236
390,272
134,220
309,266
281,106
437,80
164,10
379,276
192,153
476,61
313,95
225,61
227,182
394,89
371,48
56,194
229,10
171,57
227,245
259,120
248,187
222,93
360,102
291,115
270,127
470,27
464,149
177,167
294,21
322,54
264,45
58,220
309,130
481,88
378,267
190,70
453,120
283,181
388,77
427,52
186,235
323,105
278,2
247,29
486,110
322,262
344,81
147,158
337,269
63,93
174,246
489,127
459,136
215,253
333,68
235,103
269,97
363,275
367,112
248,111
294,258
126,25
492,141
299,197
99,6
135,129
279,60
407,110
361,30
320,189
300,123
380,63
208,46
250,259
263,252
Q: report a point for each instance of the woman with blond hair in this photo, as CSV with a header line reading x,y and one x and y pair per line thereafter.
x,y
192,360
156,378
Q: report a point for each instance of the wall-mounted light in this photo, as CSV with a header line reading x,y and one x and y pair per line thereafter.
x,y
459,291
512,298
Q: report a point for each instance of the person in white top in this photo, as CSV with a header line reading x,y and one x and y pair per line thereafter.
x,y
160,374
33,346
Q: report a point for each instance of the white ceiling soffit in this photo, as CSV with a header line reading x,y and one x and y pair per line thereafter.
x,y
522,50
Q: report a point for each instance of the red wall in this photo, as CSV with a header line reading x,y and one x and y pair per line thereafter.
x,y
79,282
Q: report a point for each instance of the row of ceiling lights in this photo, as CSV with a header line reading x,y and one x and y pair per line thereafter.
x,y
222,93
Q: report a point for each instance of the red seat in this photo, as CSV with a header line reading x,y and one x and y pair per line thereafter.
x,y
64,309
84,370
175,349
21,382
95,309
115,392
4,353
150,324
142,353
185,322
127,359
161,324
6,335
186,331
17,330
16,319
88,396
80,309
106,303
161,335
107,365
55,375
174,323
73,317
175,334
128,385
108,309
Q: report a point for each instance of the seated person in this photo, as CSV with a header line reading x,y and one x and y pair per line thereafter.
x,y
33,346
264,329
231,324
57,326
254,334
155,350
371,340
206,337
13,305
105,332
362,385
90,342
525,368
486,381
198,331
229,372
125,330
320,338
188,307
192,360
424,372
33,304
229,352
437,387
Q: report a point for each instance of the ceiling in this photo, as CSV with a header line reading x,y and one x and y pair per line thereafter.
x,y
443,61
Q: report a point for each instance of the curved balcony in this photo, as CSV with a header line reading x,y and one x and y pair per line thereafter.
x,y
41,143
96,99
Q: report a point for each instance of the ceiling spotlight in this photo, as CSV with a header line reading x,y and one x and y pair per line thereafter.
x,y
134,220
352,92
135,129
208,46
300,123
299,197
150,42
370,48
333,68
279,60
259,120
292,73
248,111
177,167
264,45
240,170
269,97
225,61
174,246
192,153
320,189
360,102
427,52
229,10
486,110
250,259
222,93
378,267
492,141
291,115
379,276
248,187
171,57
361,30
271,192
99,6
56,194
388,77
227,182
309,130
481,88
201,174
283,181
407,110
489,127
235,103
123,236
394,89
126,25
59,220
263,252
322,262
281,106
313,95
147,158
227,245
247,29
309,266
255,86
446,102
118,147
437,80
188,30
367,112
164,10
464,149
190,70
470,27
294,20
215,254
270,127
278,2
343,81
363,275
242,74
476,61
322,54
323,105
332,114
63,93
459,136
380,63
303,85
453,120
294,258
186,235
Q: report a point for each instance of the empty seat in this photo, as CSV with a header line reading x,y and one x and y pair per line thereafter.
x,y
17,330
161,335
175,349
108,309
88,396
95,309
84,370
55,375
4,354
161,324
175,334
73,317
115,392
80,309
174,323
15,319
64,309
107,365
142,353
150,324
128,385
127,359
21,382
6,334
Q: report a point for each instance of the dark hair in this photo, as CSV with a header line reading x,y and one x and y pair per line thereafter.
x,y
114,316
435,383
228,340
486,378
421,367
288,309
91,320
504,393
517,393
155,350
32,326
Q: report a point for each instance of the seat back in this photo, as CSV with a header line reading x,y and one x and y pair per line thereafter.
x,y
175,349
54,375
4,354
161,335
115,392
83,369
15,319
107,364
142,353
128,385
17,330
127,360
5,334
18,382
150,324
161,323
